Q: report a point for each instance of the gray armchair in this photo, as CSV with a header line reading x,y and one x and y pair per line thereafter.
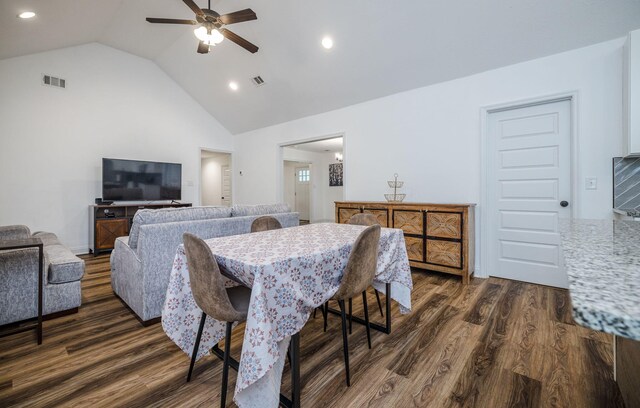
x,y
19,277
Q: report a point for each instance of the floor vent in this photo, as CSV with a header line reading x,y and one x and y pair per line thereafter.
x,y
54,81
257,80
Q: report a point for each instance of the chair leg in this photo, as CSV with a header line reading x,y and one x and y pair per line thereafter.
x,y
225,367
196,346
350,314
326,312
379,302
345,341
366,317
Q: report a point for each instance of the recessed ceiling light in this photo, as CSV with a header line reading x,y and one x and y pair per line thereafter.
x,y
233,85
327,42
27,14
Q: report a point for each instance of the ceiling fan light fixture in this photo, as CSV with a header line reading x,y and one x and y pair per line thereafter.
x,y
216,36
209,26
209,37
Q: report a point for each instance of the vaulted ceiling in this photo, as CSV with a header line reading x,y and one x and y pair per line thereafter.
x,y
381,47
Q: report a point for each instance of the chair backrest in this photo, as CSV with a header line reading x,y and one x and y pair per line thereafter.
x,y
265,223
361,266
364,219
207,283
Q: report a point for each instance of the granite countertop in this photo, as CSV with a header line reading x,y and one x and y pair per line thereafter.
x,y
602,259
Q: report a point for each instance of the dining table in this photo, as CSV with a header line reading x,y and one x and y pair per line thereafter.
x,y
291,272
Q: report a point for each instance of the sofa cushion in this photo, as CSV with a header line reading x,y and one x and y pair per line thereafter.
x,y
64,266
11,232
262,209
164,215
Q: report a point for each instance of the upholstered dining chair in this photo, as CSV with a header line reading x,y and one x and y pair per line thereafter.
x,y
265,223
223,304
358,276
365,219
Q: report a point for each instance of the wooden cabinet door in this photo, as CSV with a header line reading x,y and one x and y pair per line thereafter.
x,y
382,214
410,221
107,230
345,213
444,253
444,224
415,248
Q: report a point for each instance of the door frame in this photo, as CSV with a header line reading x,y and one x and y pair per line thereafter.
x,y
280,164
199,185
486,211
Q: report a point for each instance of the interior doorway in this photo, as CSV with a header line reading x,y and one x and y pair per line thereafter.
x,y
313,177
303,178
298,176
215,178
225,171
529,186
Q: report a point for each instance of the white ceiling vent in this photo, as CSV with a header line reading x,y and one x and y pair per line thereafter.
x,y
257,80
54,81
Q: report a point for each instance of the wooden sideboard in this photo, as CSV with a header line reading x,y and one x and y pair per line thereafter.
x,y
439,237
108,222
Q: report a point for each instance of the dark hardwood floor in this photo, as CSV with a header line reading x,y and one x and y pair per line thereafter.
x,y
494,343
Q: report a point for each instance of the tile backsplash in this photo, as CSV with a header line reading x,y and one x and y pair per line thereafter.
x,y
626,183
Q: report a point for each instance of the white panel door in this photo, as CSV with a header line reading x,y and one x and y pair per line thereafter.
x,y
303,177
529,190
225,172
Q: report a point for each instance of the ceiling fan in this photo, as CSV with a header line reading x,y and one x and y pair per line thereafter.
x,y
211,29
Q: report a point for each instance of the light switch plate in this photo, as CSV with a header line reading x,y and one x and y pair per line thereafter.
x,y
591,183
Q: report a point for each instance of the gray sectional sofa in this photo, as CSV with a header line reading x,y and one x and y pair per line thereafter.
x,y
141,263
19,277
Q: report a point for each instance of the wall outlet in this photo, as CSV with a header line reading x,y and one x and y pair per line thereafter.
x,y
591,183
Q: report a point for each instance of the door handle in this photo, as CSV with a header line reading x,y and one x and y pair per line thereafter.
x,y
564,203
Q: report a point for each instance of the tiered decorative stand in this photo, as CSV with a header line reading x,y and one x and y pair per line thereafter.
x,y
395,185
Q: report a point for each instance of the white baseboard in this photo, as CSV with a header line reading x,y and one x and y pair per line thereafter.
x,y
478,273
80,250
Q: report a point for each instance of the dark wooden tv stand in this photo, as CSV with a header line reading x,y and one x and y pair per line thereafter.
x,y
108,222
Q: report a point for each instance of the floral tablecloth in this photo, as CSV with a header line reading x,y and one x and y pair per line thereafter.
x,y
291,272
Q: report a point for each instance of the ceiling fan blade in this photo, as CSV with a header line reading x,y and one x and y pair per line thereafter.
x,y
170,21
239,40
238,16
202,48
193,6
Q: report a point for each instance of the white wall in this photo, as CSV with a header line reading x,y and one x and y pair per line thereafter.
x,y
115,105
431,136
321,196
211,179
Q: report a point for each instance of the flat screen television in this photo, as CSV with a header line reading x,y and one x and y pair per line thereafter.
x,y
135,180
